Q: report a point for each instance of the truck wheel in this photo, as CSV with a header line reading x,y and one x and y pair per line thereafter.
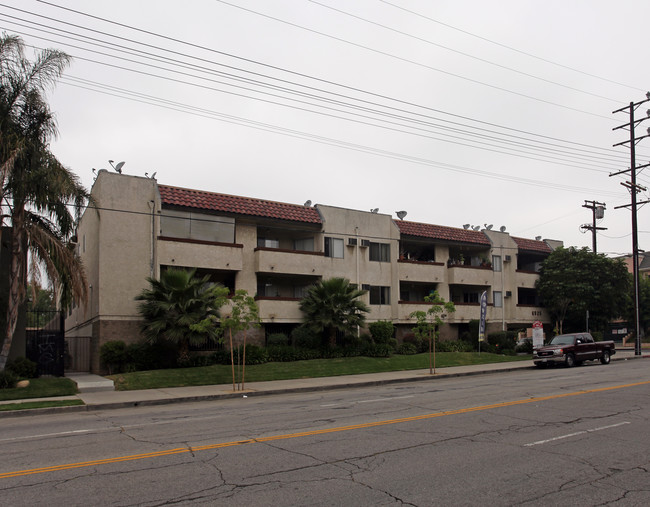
x,y
570,360
605,358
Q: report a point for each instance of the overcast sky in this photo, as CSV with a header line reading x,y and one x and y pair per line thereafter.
x,y
459,112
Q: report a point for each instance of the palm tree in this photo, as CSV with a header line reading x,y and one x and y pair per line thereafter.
x,y
333,305
36,188
181,308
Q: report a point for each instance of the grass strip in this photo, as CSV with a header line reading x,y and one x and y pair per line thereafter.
x,y
43,387
222,374
39,404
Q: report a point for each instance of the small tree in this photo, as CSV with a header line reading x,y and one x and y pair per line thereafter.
x,y
181,308
244,314
428,323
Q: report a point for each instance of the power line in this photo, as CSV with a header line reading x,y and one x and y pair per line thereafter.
x,y
474,135
361,148
294,73
509,47
426,41
413,62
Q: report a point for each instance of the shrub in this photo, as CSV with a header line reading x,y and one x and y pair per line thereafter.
x,y
151,356
220,357
277,339
113,356
407,349
23,367
283,353
420,344
382,331
377,350
525,346
304,337
254,354
8,379
503,340
597,335
453,346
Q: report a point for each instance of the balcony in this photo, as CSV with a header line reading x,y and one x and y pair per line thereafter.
x,y
274,260
200,254
468,311
421,271
469,275
527,279
279,309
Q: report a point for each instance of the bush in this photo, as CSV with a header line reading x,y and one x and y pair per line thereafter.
x,y
277,339
151,356
453,346
504,341
407,349
113,356
283,353
377,350
254,354
382,331
304,337
420,344
23,367
525,346
597,335
8,379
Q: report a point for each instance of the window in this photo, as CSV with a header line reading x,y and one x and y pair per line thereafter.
x,y
497,298
268,242
470,297
334,247
198,226
304,244
379,252
496,262
379,295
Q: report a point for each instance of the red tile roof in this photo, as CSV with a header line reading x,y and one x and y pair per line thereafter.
x,y
198,199
532,245
442,233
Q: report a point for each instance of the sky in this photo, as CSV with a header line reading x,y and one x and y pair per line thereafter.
x,y
456,111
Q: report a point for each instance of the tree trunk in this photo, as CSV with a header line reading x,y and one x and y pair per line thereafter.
x,y
16,281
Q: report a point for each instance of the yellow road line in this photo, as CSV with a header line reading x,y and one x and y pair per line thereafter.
x,y
184,450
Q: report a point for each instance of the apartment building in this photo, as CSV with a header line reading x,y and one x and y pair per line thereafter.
x,y
277,250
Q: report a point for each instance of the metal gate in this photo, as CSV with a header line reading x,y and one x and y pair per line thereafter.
x,y
45,334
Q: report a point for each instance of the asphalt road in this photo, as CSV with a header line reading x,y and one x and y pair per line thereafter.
x,y
560,436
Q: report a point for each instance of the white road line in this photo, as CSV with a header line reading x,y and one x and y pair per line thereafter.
x,y
539,442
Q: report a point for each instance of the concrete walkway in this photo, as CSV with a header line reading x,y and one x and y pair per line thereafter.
x,y
97,392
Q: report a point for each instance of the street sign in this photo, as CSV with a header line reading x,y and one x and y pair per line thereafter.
x,y
538,334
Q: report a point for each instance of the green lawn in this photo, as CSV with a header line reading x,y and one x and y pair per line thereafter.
x,y
39,404
40,388
222,374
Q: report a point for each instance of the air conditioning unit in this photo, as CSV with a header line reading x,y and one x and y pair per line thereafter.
x,y
352,241
507,258
365,242
365,286
508,293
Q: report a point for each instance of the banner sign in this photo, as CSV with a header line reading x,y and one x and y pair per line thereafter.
x,y
481,327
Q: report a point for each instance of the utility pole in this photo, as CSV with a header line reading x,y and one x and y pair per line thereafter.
x,y
598,212
634,189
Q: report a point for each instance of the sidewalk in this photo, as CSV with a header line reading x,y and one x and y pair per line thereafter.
x,y
96,396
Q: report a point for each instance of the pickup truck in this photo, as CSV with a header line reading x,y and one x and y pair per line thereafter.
x,y
572,350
